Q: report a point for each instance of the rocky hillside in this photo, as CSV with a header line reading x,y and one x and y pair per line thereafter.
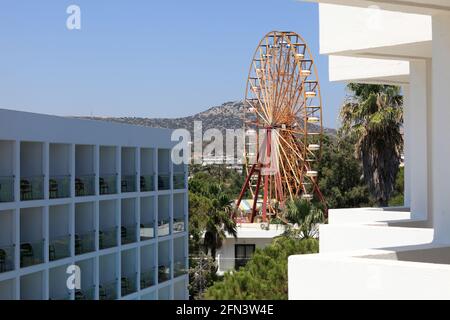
x,y
226,116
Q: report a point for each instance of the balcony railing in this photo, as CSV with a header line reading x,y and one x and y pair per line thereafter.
x,y
163,272
179,267
84,242
108,238
32,188
7,189
163,227
85,185
148,278
164,181
85,293
147,183
59,187
128,284
7,258
31,253
59,248
178,225
128,183
147,231
107,184
108,291
128,234
179,180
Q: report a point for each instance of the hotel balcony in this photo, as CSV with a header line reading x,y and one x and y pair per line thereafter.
x,y
87,272
148,276
128,280
7,189
178,213
31,171
164,264
108,288
129,225
147,183
59,232
84,228
32,188
109,226
85,177
31,286
164,169
179,176
60,173
128,164
7,258
163,216
7,171
31,237
7,238
108,170
107,183
57,284
128,183
59,187
179,181
7,290
147,178
179,255
147,226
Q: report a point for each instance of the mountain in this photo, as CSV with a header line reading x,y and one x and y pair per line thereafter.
x,y
226,116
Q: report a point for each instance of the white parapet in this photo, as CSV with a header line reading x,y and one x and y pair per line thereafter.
x,y
343,68
371,274
345,29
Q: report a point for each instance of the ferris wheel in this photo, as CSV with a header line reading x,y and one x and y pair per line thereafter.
x,y
283,124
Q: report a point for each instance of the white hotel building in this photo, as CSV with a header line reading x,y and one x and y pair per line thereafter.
x,y
102,196
397,253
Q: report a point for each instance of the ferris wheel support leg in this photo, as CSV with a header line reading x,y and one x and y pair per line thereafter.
x,y
264,205
255,197
244,189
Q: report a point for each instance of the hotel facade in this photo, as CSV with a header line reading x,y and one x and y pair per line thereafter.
x,y
98,201
390,253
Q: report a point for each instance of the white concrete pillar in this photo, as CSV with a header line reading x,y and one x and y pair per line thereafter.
x,y
416,139
407,128
440,129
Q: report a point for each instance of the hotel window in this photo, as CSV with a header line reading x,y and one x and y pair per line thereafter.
x,y
242,253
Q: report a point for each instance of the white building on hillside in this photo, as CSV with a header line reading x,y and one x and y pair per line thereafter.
x,y
100,196
396,253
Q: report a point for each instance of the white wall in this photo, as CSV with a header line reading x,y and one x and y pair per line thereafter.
x,y
226,254
335,238
440,116
344,28
337,277
343,68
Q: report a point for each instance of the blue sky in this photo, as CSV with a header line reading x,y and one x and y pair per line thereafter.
x,y
149,58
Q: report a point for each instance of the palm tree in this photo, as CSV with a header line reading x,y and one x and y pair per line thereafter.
x,y
305,217
374,115
219,220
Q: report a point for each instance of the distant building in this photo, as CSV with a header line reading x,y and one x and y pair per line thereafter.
x,y
102,197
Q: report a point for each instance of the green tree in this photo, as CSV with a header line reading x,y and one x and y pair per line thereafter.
x,y
305,216
374,115
219,221
265,275
340,174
